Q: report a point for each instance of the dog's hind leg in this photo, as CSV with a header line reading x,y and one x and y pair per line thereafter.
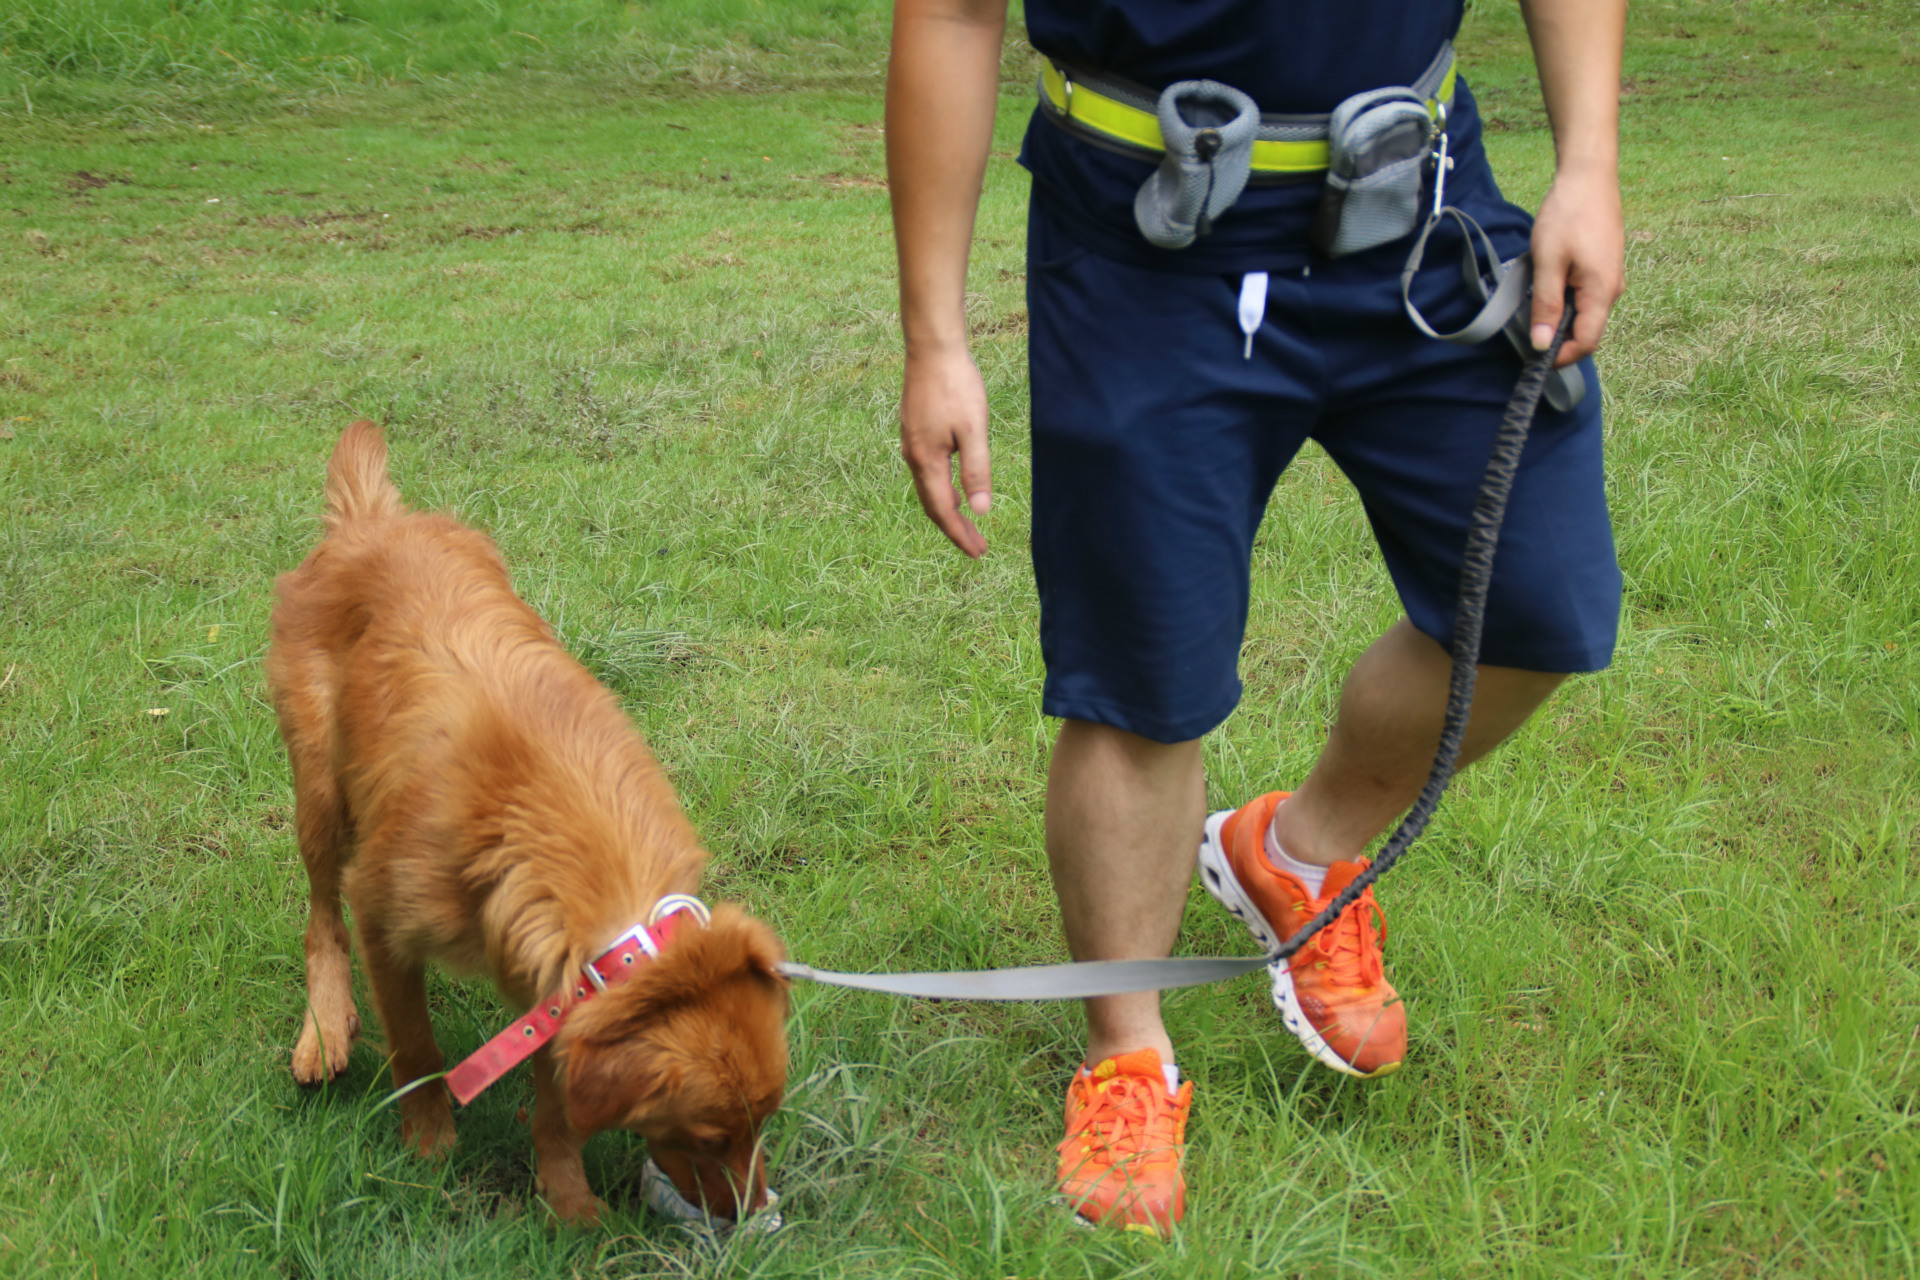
x,y
400,993
320,818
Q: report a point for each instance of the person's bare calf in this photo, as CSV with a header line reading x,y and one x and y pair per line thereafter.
x,y
1123,813
1381,747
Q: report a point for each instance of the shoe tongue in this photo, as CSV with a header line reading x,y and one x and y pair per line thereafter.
x,y
1141,1062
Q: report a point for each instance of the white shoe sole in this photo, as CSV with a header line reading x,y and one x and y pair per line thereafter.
x,y
1081,1222
1216,873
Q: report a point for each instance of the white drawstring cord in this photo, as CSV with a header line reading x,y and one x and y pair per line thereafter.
x,y
1253,307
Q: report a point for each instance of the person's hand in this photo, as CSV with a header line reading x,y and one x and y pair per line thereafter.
x,y
943,411
1579,243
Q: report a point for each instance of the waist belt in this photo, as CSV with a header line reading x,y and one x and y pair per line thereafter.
x,y
1117,112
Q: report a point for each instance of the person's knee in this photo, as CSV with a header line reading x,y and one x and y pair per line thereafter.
x,y
1523,681
1142,751
1405,678
1515,690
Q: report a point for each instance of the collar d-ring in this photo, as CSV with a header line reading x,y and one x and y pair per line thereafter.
x,y
680,902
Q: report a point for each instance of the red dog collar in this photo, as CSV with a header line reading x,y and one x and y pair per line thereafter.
x,y
610,968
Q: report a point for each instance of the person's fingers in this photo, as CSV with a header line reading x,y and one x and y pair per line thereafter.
x,y
1591,305
1549,294
943,411
932,470
976,471
1579,244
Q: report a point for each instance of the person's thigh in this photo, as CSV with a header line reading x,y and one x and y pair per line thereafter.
x,y
1411,421
1155,447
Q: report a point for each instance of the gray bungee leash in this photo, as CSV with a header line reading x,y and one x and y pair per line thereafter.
x,y
1116,977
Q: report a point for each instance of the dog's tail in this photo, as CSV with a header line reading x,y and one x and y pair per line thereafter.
x,y
357,484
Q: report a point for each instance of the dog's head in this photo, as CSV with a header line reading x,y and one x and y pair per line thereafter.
x,y
690,1053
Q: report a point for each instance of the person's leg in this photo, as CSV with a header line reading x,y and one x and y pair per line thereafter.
x,y
1277,861
1155,445
1122,811
1122,815
1381,747
1411,423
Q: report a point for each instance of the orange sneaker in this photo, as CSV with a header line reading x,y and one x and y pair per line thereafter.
x,y
1120,1160
1333,993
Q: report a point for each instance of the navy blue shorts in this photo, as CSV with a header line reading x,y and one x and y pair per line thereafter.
x,y
1156,446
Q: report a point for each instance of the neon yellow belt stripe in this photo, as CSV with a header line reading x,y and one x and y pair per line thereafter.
x,y
1124,123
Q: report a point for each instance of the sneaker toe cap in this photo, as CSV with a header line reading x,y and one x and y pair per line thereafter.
x,y
1373,1041
1128,1206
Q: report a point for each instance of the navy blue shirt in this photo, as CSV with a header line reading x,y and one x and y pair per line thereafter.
x,y
1289,57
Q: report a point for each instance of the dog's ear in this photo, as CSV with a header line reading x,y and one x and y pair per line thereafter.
x,y
762,950
615,1085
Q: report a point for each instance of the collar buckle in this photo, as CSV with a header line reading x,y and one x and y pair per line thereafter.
x,y
642,935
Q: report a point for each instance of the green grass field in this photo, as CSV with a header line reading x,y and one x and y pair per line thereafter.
x,y
619,281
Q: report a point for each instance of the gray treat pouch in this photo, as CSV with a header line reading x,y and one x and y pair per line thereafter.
x,y
1377,145
1207,128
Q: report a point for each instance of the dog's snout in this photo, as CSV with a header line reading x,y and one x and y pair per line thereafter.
x,y
733,1186
755,1183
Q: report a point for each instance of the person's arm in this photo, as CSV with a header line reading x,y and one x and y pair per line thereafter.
x,y
942,82
1579,239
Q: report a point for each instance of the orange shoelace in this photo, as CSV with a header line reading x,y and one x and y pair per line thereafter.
x,y
1351,944
1127,1117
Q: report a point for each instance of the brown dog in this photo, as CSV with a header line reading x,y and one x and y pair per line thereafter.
x,y
485,803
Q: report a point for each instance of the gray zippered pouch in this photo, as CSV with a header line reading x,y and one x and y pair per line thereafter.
x,y
1378,143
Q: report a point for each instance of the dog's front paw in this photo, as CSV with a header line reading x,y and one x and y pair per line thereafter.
x,y
426,1123
321,1053
576,1206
